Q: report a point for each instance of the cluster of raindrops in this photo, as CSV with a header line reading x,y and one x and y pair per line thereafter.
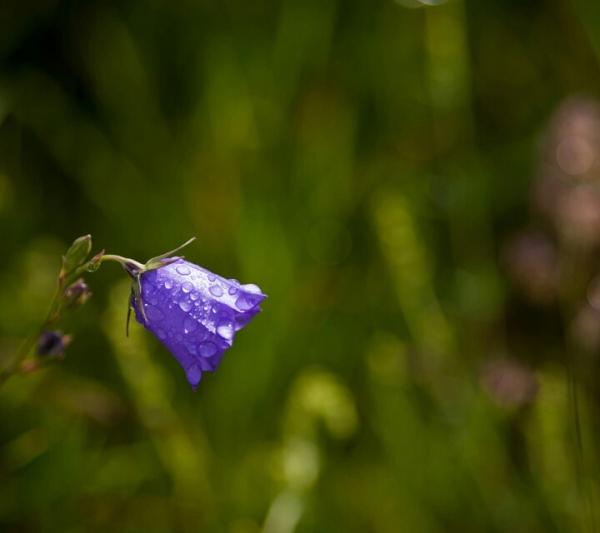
x,y
195,313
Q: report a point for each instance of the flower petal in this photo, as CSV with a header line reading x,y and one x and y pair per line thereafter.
x,y
195,313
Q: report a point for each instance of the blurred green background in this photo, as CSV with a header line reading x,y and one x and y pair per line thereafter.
x,y
417,189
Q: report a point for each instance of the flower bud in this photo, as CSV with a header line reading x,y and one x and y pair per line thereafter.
x,y
77,293
76,254
94,263
52,344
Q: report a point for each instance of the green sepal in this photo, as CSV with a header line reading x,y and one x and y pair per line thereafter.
x,y
76,254
159,260
136,287
94,263
128,316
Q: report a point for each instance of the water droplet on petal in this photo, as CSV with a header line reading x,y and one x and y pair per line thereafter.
x,y
182,269
205,364
194,374
161,333
232,290
168,284
154,314
191,348
189,325
251,288
216,290
207,349
225,331
187,287
194,295
211,277
243,303
185,305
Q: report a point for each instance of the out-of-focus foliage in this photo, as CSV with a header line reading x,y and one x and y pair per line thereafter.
x,y
415,185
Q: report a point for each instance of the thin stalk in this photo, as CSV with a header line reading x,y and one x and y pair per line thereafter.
x,y
122,260
54,313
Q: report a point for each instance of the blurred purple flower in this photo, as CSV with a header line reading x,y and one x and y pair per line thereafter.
x,y
52,344
532,261
578,215
570,157
194,313
585,328
509,383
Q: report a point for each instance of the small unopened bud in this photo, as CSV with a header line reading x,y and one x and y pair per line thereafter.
x,y
76,254
52,344
77,293
94,263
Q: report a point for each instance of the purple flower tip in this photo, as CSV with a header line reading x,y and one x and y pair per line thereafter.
x,y
195,313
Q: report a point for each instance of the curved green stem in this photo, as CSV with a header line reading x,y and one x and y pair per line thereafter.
x,y
30,341
54,313
122,260
132,267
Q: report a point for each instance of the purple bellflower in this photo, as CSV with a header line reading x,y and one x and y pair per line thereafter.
x,y
193,312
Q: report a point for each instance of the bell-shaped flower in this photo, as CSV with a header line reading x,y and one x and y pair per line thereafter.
x,y
194,313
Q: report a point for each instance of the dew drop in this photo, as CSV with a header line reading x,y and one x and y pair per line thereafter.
x,y
182,269
154,314
194,374
216,290
185,305
205,364
161,333
211,277
194,295
225,331
168,284
207,349
149,288
251,288
243,304
189,325
232,290
187,287
190,348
